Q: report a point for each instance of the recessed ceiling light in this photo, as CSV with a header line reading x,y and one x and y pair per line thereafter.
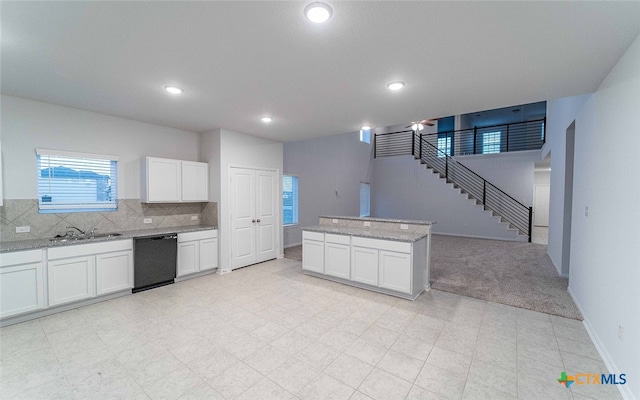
x,y
266,119
396,85
173,89
318,12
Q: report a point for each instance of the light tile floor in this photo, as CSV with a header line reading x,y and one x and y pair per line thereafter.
x,y
270,332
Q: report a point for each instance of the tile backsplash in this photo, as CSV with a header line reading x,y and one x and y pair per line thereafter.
x,y
129,216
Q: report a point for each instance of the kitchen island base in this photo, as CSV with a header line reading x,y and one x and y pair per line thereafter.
x,y
385,261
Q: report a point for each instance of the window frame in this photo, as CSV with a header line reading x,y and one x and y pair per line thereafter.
x,y
492,142
296,203
365,136
368,202
70,160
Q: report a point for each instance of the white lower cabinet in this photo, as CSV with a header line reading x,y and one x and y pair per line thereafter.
x,y
313,251
395,271
71,279
337,260
84,271
113,272
388,266
22,282
365,265
197,252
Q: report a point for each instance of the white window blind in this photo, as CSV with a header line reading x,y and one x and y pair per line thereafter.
x,y
289,200
491,142
365,199
69,182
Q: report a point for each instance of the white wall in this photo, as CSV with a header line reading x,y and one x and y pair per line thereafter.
x,y
605,252
510,172
325,166
27,125
560,114
402,188
223,149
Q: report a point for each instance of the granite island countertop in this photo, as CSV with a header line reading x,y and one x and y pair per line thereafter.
x,y
368,233
31,244
372,219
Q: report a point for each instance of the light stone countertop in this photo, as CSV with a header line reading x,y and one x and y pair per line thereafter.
x,y
368,233
19,245
398,221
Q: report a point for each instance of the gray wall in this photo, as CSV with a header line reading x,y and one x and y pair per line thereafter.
x,y
403,188
511,172
329,171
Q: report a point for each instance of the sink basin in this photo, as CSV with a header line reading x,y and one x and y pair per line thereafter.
x,y
63,239
105,235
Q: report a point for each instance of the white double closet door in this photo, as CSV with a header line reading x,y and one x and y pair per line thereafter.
x,y
253,202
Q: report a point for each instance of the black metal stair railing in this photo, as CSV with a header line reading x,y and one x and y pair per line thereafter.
x,y
484,192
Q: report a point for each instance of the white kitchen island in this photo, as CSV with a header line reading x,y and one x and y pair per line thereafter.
x,y
383,255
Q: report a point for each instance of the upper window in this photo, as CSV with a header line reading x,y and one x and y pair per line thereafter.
x,y
365,199
491,142
444,146
365,135
289,200
72,182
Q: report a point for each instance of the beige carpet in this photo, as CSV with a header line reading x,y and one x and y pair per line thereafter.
x,y
512,273
293,253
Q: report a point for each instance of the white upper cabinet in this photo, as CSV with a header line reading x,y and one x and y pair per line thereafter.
x,y
195,181
174,181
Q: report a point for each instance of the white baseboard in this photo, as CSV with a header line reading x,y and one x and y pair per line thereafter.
x,y
624,390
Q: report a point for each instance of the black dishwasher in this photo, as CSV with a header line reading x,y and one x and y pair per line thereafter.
x,y
154,261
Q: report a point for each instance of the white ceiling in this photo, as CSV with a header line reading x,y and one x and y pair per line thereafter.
x,y
240,60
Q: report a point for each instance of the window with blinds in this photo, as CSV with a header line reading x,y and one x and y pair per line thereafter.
x,y
365,199
74,182
289,200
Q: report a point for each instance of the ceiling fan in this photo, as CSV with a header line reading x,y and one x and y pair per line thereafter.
x,y
419,125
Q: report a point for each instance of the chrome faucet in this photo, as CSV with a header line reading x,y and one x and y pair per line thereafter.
x,y
78,229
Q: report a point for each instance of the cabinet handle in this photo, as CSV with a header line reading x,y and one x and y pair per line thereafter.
x,y
253,221
258,221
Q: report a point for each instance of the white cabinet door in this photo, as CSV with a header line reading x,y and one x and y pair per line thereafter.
x,y
71,279
395,271
188,258
163,180
114,272
21,283
208,254
337,260
364,265
313,255
195,182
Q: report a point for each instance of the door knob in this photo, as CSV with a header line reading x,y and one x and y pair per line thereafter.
x,y
258,220
253,221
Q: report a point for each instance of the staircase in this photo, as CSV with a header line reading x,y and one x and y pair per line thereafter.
x,y
476,188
